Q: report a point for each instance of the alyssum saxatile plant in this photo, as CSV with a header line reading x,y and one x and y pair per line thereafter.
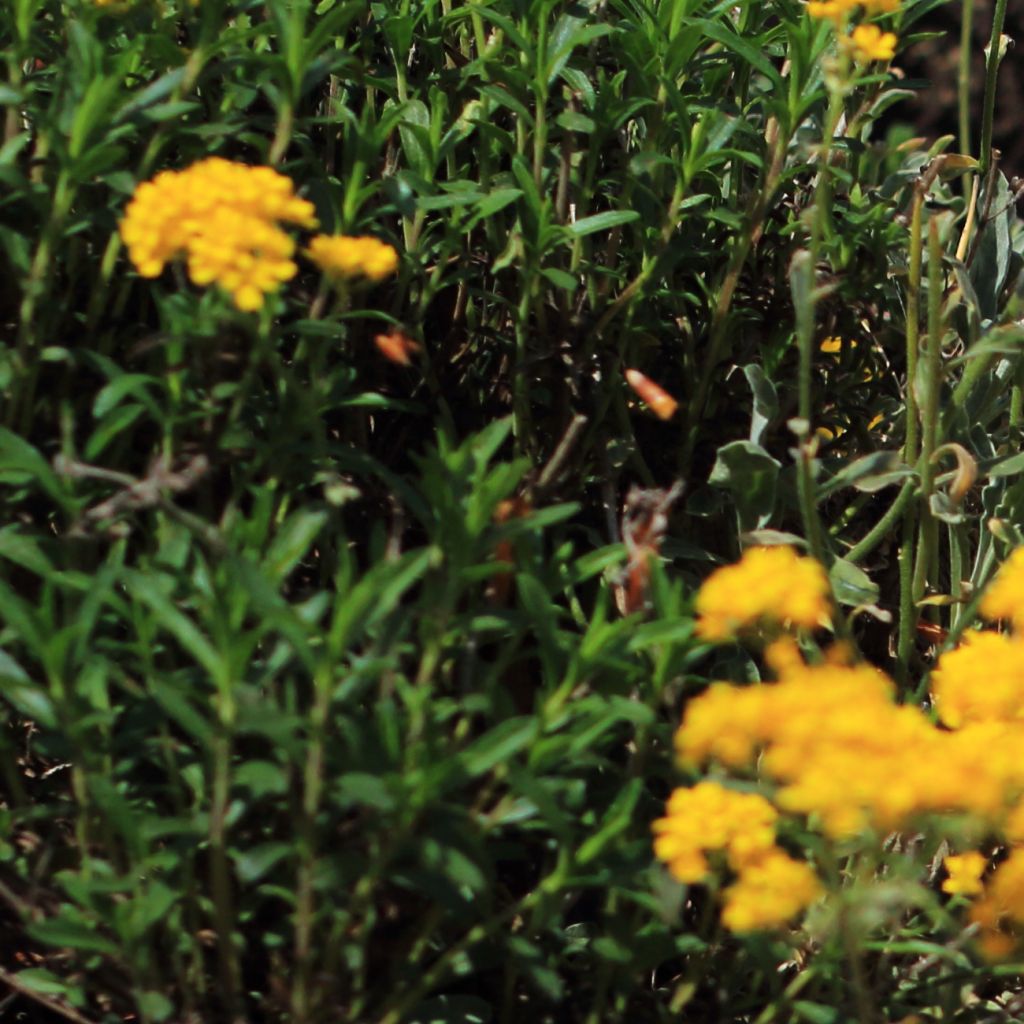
x,y
345,672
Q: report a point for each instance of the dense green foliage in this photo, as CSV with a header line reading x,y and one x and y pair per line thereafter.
x,y
297,722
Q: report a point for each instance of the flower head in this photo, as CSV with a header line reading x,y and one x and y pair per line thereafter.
x,y
225,218
982,680
709,818
769,891
1004,598
343,256
965,871
868,43
767,584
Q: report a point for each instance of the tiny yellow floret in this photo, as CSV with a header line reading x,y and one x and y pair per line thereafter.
x,y
965,871
868,43
342,257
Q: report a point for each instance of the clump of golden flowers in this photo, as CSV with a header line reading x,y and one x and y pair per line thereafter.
x,y
1004,598
865,42
834,748
710,819
343,257
768,584
225,218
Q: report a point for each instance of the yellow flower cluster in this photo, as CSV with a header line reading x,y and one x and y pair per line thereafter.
x,y
1004,597
843,751
768,584
770,886
982,680
341,256
999,911
225,218
965,871
710,817
840,10
836,747
866,43
769,892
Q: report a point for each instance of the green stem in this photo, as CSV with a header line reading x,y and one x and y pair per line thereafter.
x,y
991,77
907,620
220,876
964,83
928,534
312,791
881,529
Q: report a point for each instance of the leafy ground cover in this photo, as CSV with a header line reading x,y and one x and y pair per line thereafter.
x,y
499,500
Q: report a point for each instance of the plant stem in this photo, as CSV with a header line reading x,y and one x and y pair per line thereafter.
x,y
964,83
991,76
879,531
928,534
220,876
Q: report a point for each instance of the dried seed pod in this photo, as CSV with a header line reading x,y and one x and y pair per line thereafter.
x,y
396,346
661,403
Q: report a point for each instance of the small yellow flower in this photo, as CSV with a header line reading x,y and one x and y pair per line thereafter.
x,y
1004,598
832,345
343,256
225,219
965,871
982,680
768,583
833,10
868,43
711,818
768,892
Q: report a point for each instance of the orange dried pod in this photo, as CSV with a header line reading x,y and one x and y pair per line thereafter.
x,y
396,346
932,632
661,403
500,588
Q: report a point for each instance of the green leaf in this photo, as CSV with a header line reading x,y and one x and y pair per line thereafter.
x,y
618,819
292,542
253,863
601,222
851,584
869,473
749,474
500,744
64,932
766,402
20,462
145,589
261,778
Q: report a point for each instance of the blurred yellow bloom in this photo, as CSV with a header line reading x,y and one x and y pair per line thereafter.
x,y
839,748
833,10
839,10
708,818
1004,597
342,256
982,680
768,584
224,217
868,43
769,892
965,871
